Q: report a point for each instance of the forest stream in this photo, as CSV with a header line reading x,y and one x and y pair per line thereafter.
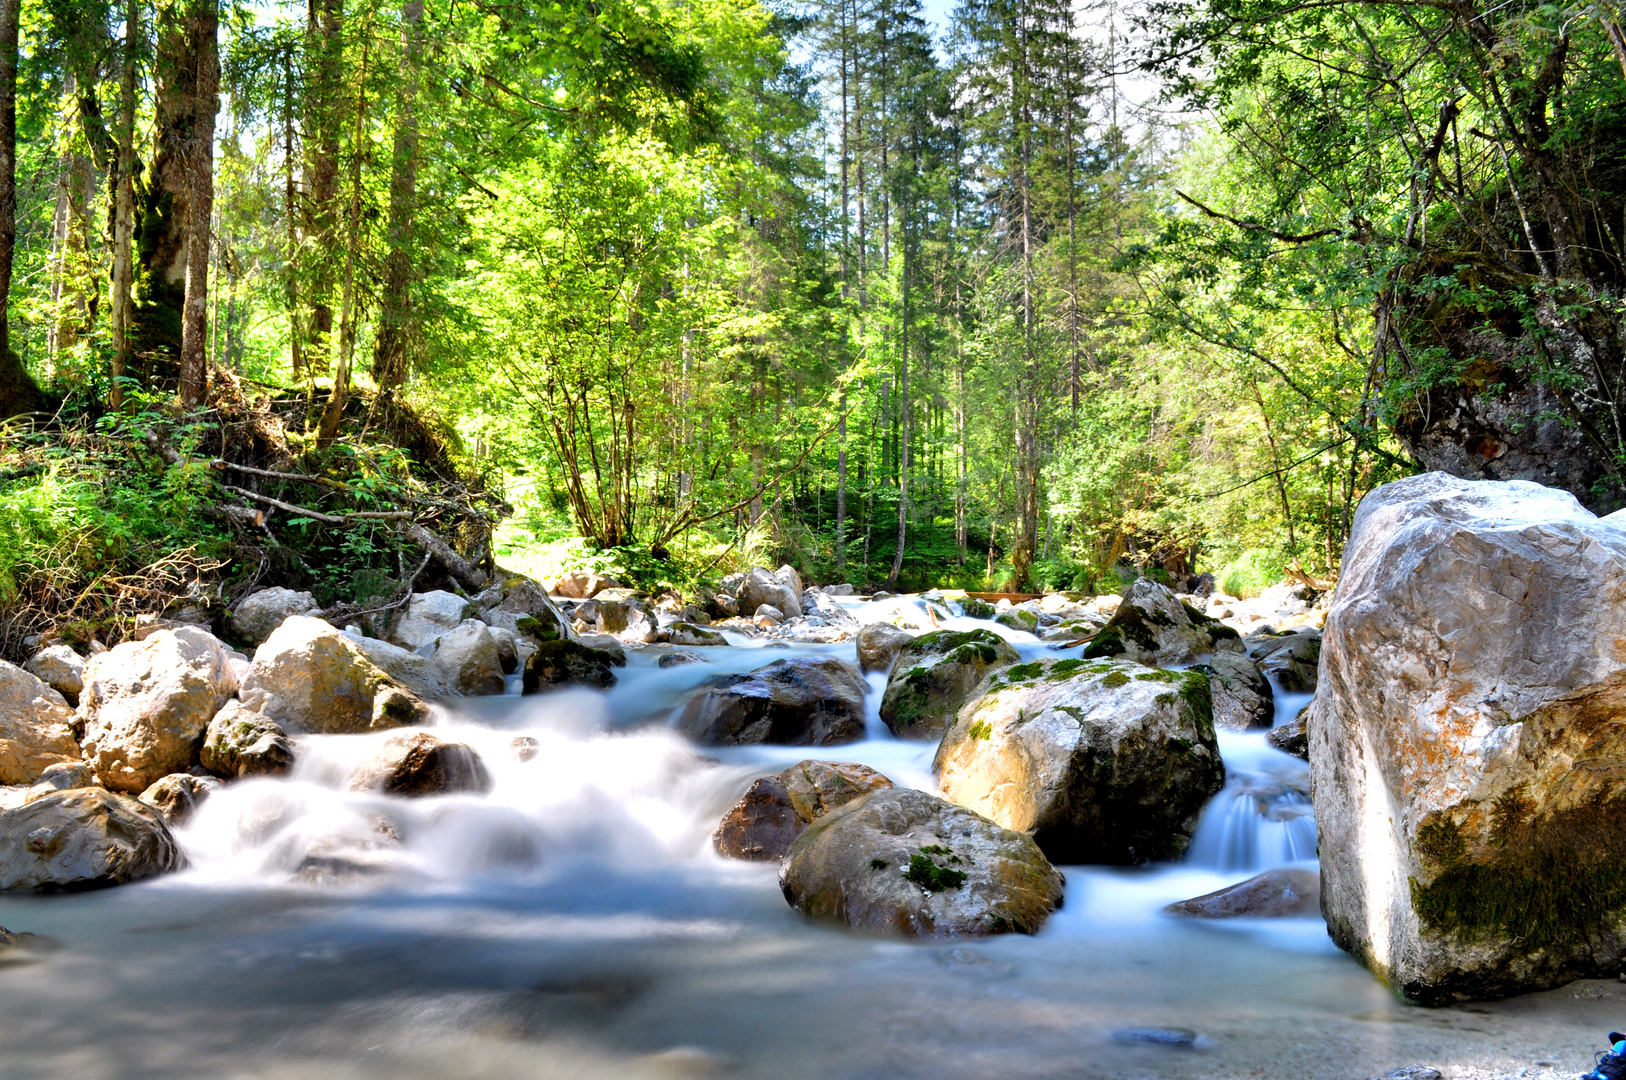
x,y
576,921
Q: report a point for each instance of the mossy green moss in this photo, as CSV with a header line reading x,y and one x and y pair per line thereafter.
x,y
981,729
1114,680
931,877
1020,672
1220,632
1158,675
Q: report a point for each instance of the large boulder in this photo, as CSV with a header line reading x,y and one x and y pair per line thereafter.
x,y
682,633
804,701
83,839
178,795
418,673
1293,658
581,584
308,677
1152,626
60,668
1243,700
520,605
878,645
1467,749
761,587
470,659
241,742
63,776
422,764
1276,894
428,616
563,662
935,674
629,620
776,809
900,861
259,613
146,705
36,727
1102,762
788,577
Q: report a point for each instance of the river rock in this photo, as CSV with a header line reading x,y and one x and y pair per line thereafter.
x,y
416,672
899,861
241,742
580,585
937,673
36,727
147,703
788,577
469,659
60,668
1293,658
1467,750
63,776
308,677
1243,700
177,795
768,615
1018,619
428,616
679,657
1152,626
1276,894
878,645
422,764
1292,737
521,605
569,663
507,649
803,701
83,839
630,620
760,587
259,613
1102,762
776,809
682,633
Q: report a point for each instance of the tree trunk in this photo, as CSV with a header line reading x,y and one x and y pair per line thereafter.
x,y
18,394
202,32
124,206
903,409
325,30
390,354
334,412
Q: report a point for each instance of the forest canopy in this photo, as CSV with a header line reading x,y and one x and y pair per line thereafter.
x,y
1042,297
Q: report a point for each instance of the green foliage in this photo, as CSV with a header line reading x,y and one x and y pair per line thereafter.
x,y
1250,573
924,872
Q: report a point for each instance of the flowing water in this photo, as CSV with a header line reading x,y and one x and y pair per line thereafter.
x,y
574,922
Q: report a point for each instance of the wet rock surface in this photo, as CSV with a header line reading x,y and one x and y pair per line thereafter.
x,y
36,729
935,674
561,663
901,862
1101,761
83,839
178,795
1243,699
776,809
421,764
1152,626
879,644
1293,657
1292,737
241,742
804,701
1276,894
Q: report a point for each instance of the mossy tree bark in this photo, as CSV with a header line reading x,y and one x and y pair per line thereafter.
x,y
202,31
395,317
18,394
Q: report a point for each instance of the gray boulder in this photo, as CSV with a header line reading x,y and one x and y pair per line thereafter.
x,y
763,825
1293,658
1293,737
682,633
678,658
63,776
259,613
935,675
1016,618
804,701
427,616
630,620
147,703
83,839
1466,747
1243,700
308,677
761,587
563,663
469,659
422,764
1276,894
878,645
416,672
521,605
241,742
36,727
1102,762
60,668
178,795
1152,626
901,862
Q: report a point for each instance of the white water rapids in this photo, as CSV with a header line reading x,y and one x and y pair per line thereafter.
x,y
575,922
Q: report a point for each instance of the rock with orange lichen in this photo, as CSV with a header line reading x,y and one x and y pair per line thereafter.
x,y
1467,741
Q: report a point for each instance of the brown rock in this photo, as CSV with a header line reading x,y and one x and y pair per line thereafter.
x,y
83,839
422,764
804,701
776,809
177,795
1275,894
35,727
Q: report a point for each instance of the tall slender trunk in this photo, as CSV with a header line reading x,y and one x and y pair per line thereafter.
x,y
846,240
291,217
124,206
325,33
10,15
1027,450
390,354
334,412
203,30
903,409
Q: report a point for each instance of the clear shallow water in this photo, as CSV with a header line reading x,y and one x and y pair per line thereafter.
x,y
575,923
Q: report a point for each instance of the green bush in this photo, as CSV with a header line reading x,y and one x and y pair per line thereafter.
x,y
1251,572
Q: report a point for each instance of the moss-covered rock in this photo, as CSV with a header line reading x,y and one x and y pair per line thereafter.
x,y
563,662
972,608
1152,626
1018,619
1101,761
937,673
906,863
